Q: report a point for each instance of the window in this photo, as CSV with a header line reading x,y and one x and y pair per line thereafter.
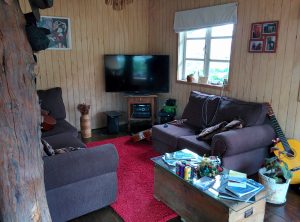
x,y
205,53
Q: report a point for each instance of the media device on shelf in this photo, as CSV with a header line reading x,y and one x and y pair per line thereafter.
x,y
137,74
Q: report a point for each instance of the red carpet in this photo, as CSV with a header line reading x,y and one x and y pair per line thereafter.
x,y
135,202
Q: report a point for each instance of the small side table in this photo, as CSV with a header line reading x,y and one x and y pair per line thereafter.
x,y
112,122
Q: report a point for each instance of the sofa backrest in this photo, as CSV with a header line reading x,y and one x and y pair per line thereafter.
x,y
200,109
51,100
250,112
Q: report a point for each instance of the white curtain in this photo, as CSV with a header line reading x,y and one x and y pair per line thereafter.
x,y
205,17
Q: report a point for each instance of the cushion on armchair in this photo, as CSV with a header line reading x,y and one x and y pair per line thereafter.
x,y
51,100
200,109
251,113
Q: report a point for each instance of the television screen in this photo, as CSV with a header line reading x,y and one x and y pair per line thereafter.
x,y
136,73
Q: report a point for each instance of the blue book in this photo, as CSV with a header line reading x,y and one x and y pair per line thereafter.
x,y
251,187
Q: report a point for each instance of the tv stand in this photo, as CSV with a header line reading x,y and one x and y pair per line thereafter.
x,y
141,99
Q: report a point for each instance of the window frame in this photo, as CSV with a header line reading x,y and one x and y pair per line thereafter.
x,y
182,37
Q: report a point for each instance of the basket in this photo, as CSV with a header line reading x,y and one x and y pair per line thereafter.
x,y
276,192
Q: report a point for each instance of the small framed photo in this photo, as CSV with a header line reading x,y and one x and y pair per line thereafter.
x,y
264,37
270,43
256,31
256,46
270,28
60,32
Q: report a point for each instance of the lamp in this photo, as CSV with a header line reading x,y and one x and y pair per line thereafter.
x,y
118,4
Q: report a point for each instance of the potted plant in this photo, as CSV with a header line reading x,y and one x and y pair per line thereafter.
x,y
190,78
275,176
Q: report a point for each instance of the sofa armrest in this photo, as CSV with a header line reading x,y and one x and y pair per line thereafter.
x,y
237,141
67,168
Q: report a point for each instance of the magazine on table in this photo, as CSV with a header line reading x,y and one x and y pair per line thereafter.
x,y
181,155
203,183
220,189
251,187
237,179
250,197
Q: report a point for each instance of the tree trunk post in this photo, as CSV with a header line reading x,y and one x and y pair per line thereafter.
x,y
22,189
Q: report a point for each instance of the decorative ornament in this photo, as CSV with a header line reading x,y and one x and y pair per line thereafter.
x,y
118,4
210,166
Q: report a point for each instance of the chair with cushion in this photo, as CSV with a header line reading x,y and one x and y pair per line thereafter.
x,y
240,149
80,181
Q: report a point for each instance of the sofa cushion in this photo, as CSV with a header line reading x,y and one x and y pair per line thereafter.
x,y
51,100
170,134
208,133
191,143
61,126
200,109
48,150
251,113
64,140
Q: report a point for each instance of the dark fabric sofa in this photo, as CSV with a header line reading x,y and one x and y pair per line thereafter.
x,y
77,182
240,149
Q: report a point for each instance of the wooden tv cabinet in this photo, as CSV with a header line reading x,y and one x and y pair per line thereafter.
x,y
141,99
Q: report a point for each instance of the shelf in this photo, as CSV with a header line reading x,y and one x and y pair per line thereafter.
x,y
141,99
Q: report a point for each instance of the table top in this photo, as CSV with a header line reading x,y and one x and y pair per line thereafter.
x,y
212,191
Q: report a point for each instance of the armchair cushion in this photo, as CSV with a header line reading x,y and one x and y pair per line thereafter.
x,y
251,113
61,127
171,133
64,169
200,109
195,145
51,101
237,141
64,140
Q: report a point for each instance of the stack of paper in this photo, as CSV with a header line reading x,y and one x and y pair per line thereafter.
x,y
237,179
246,194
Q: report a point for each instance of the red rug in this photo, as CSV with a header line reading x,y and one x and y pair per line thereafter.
x,y
135,202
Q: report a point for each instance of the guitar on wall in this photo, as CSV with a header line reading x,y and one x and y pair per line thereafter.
x,y
291,146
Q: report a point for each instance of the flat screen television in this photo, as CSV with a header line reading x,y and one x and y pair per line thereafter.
x,y
137,74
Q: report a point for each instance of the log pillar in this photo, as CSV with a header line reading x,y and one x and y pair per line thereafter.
x,y
22,190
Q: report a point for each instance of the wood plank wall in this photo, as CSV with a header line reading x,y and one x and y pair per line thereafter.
x,y
96,30
253,77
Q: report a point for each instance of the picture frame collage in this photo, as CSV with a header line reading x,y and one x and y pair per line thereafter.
x,y
264,37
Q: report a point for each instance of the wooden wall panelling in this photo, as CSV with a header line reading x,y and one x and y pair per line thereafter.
x,y
147,27
254,76
261,78
250,57
293,120
259,62
241,72
96,30
281,49
269,84
288,64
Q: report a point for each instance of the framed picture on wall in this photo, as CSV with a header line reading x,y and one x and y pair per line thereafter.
x,y
60,32
256,46
264,36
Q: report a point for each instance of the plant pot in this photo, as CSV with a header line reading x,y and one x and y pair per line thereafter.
x,y
85,126
276,192
190,79
203,80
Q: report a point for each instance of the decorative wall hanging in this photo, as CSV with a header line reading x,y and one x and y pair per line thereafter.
x,y
264,37
118,4
60,31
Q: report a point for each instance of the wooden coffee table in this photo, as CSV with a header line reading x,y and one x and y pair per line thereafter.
x,y
193,204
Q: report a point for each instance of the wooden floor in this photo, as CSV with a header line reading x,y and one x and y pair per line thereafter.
x,y
290,212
